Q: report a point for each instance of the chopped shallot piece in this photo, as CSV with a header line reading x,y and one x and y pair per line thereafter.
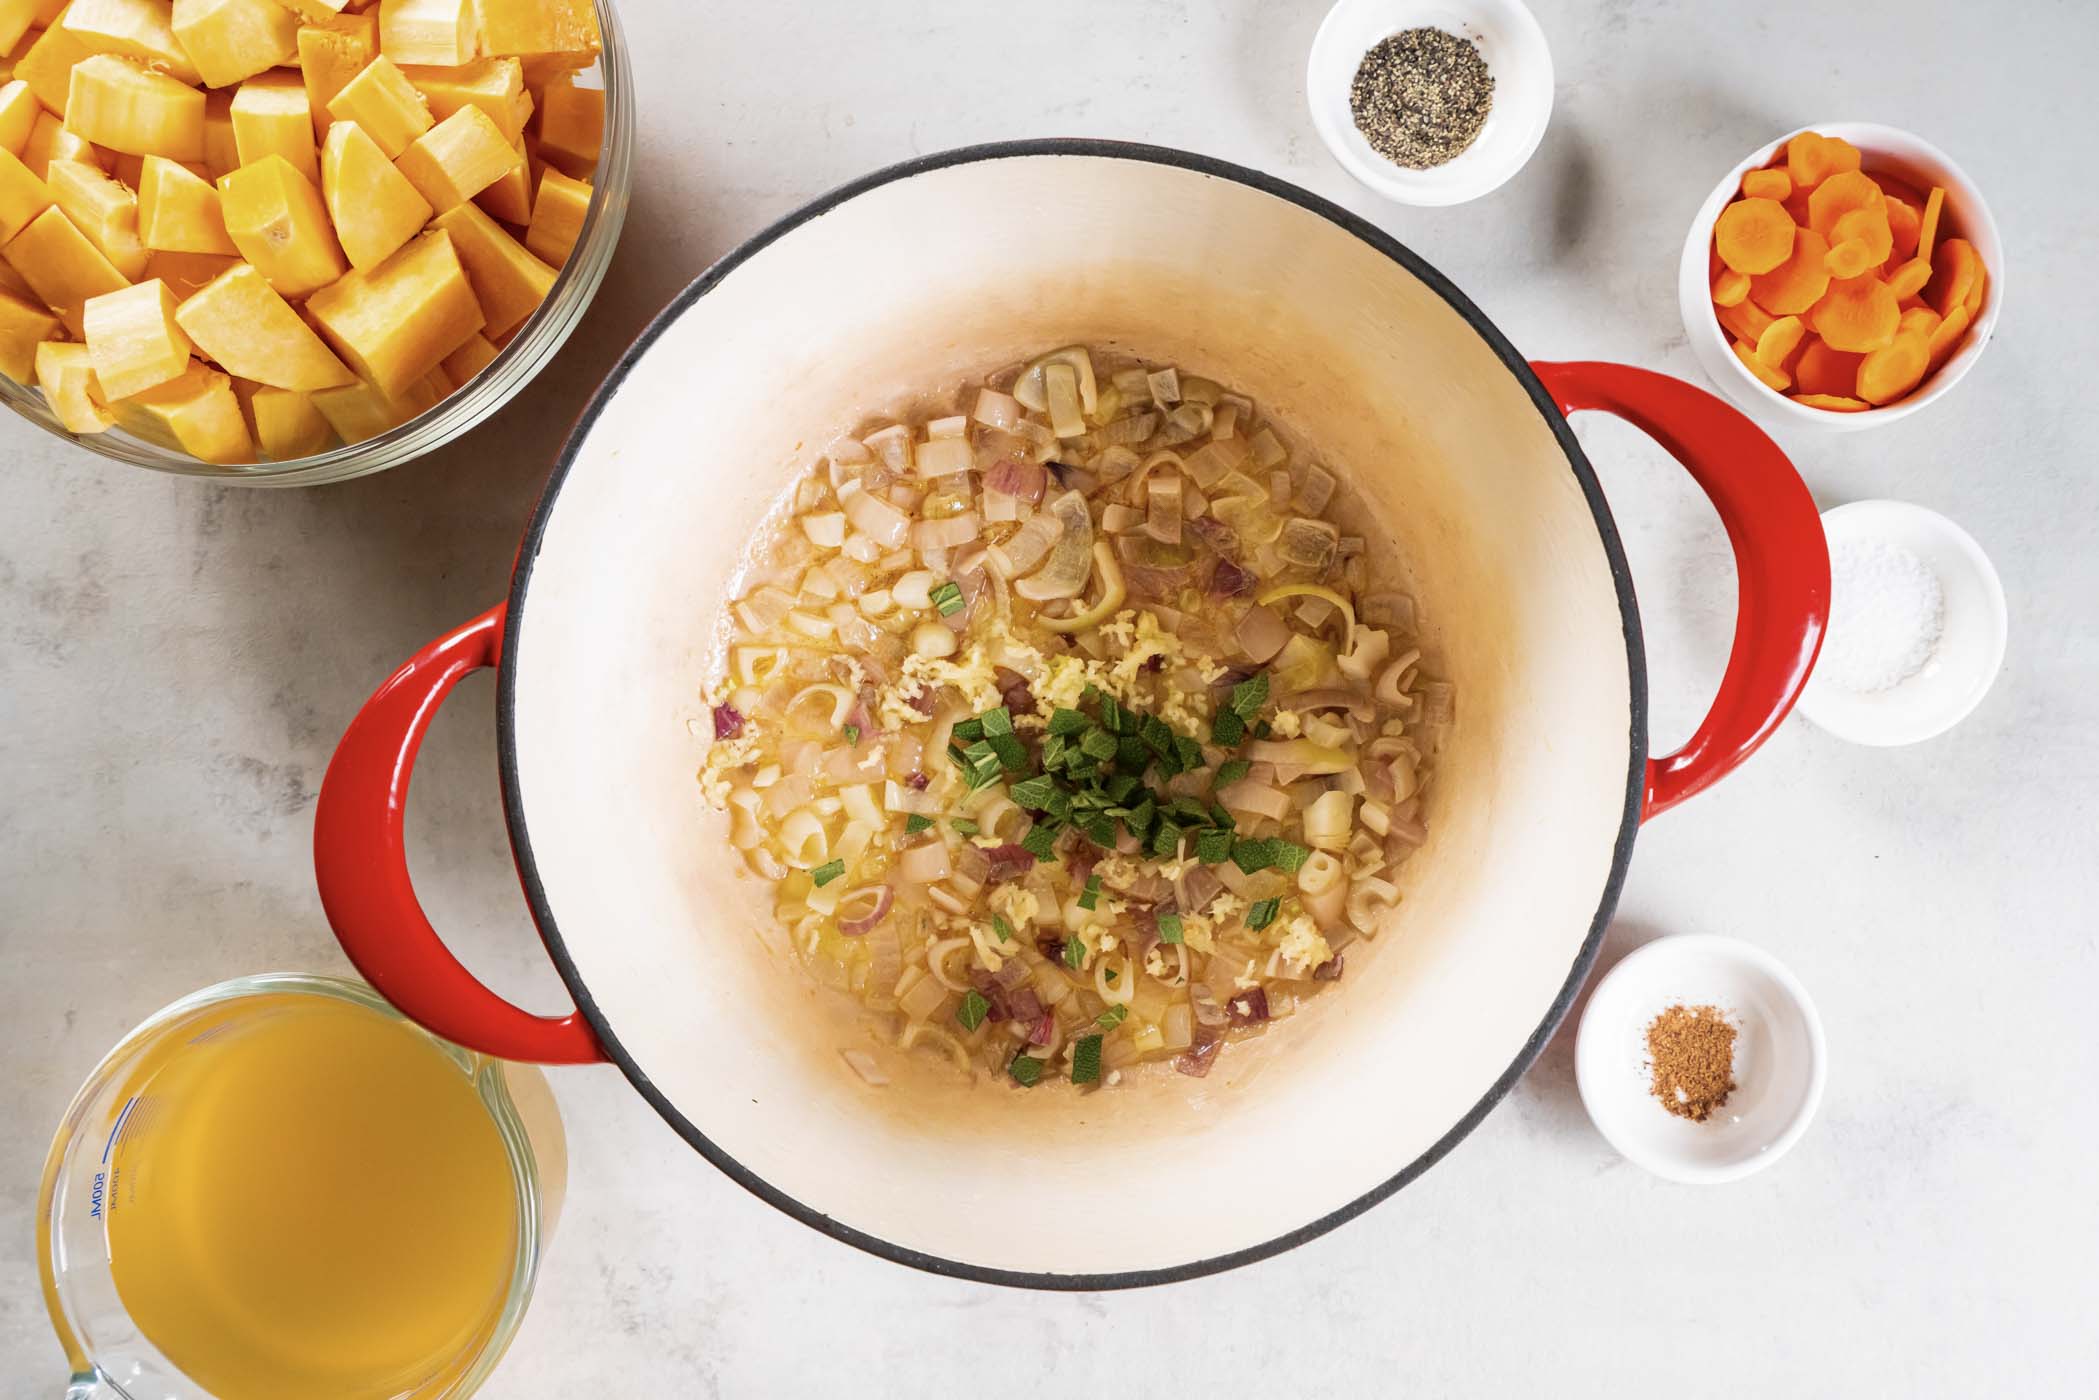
x,y
1010,476
1162,518
1330,970
1196,1060
1248,1006
727,723
1261,634
1008,861
1228,580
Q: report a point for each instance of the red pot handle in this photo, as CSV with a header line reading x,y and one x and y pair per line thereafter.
x,y
1781,558
360,856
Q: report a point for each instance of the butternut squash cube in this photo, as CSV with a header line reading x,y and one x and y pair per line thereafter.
x,y
11,281
270,117
24,325
197,410
104,210
178,210
118,105
397,322
374,207
67,377
331,52
275,217
442,32
221,152
49,140
557,216
287,424
19,110
457,159
133,29
188,273
565,27
17,17
571,127
361,411
61,266
468,360
495,85
510,198
249,330
315,11
229,40
508,281
47,65
382,101
133,340
23,195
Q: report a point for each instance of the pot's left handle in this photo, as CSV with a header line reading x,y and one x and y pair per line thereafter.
x,y
360,857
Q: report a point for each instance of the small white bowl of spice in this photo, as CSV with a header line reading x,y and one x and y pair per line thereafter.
x,y
1917,625
1700,1058
1430,103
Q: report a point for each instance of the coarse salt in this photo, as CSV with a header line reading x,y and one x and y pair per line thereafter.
x,y
1887,612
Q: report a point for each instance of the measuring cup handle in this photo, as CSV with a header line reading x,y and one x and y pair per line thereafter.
x,y
360,858
1781,558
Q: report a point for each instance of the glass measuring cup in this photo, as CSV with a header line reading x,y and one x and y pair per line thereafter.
x,y
217,1075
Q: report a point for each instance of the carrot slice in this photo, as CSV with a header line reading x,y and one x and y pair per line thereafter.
x,y
1841,194
1796,284
1954,268
1982,279
1918,318
1947,338
1909,279
1773,378
1779,340
1885,375
1895,187
1729,288
1835,403
1904,224
1745,321
1928,226
1856,313
1825,371
1812,158
1754,235
1851,258
1767,184
1869,224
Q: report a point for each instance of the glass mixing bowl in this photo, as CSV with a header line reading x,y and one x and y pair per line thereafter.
x,y
525,356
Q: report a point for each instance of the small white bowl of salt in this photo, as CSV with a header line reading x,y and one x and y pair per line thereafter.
x,y
1917,625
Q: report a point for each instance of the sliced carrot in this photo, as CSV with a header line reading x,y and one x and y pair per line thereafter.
x,y
1779,340
1754,235
1856,313
1851,258
1904,224
1730,287
1928,226
1796,205
1835,403
1773,378
1745,321
1825,371
1954,270
1946,339
1812,158
1982,280
1797,283
1909,279
1918,318
1885,375
1871,225
1895,187
1841,194
1767,184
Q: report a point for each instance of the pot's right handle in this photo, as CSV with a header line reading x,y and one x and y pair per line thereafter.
x,y
360,858
1781,558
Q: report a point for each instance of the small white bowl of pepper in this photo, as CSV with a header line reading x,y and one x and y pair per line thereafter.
x,y
1430,103
1700,1058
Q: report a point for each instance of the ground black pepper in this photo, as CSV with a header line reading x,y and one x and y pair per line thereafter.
x,y
1421,96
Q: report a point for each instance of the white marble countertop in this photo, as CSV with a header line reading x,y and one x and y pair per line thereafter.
x,y
177,660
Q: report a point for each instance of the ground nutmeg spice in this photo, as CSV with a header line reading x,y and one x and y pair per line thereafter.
x,y
1691,1052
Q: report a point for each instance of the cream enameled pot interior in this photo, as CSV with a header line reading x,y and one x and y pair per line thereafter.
x,y
915,283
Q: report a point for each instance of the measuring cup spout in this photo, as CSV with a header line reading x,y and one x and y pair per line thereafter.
x,y
89,1387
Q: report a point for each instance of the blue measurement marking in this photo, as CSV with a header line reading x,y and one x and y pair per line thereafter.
x,y
111,1144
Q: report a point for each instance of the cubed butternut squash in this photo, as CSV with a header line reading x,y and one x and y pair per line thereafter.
x,y
197,410
122,107
287,424
221,151
510,198
24,325
229,40
104,210
23,195
270,117
374,207
67,378
49,140
61,266
132,339
382,101
318,11
508,280
134,29
17,17
564,27
276,218
571,127
457,159
361,411
19,110
189,273
441,32
47,65
557,216
495,85
331,52
470,359
239,322
178,211
397,322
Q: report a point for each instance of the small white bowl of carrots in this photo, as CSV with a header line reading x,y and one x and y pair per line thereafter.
x,y
1841,278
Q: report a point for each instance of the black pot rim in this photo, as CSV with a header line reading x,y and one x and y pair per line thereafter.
x,y
518,616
